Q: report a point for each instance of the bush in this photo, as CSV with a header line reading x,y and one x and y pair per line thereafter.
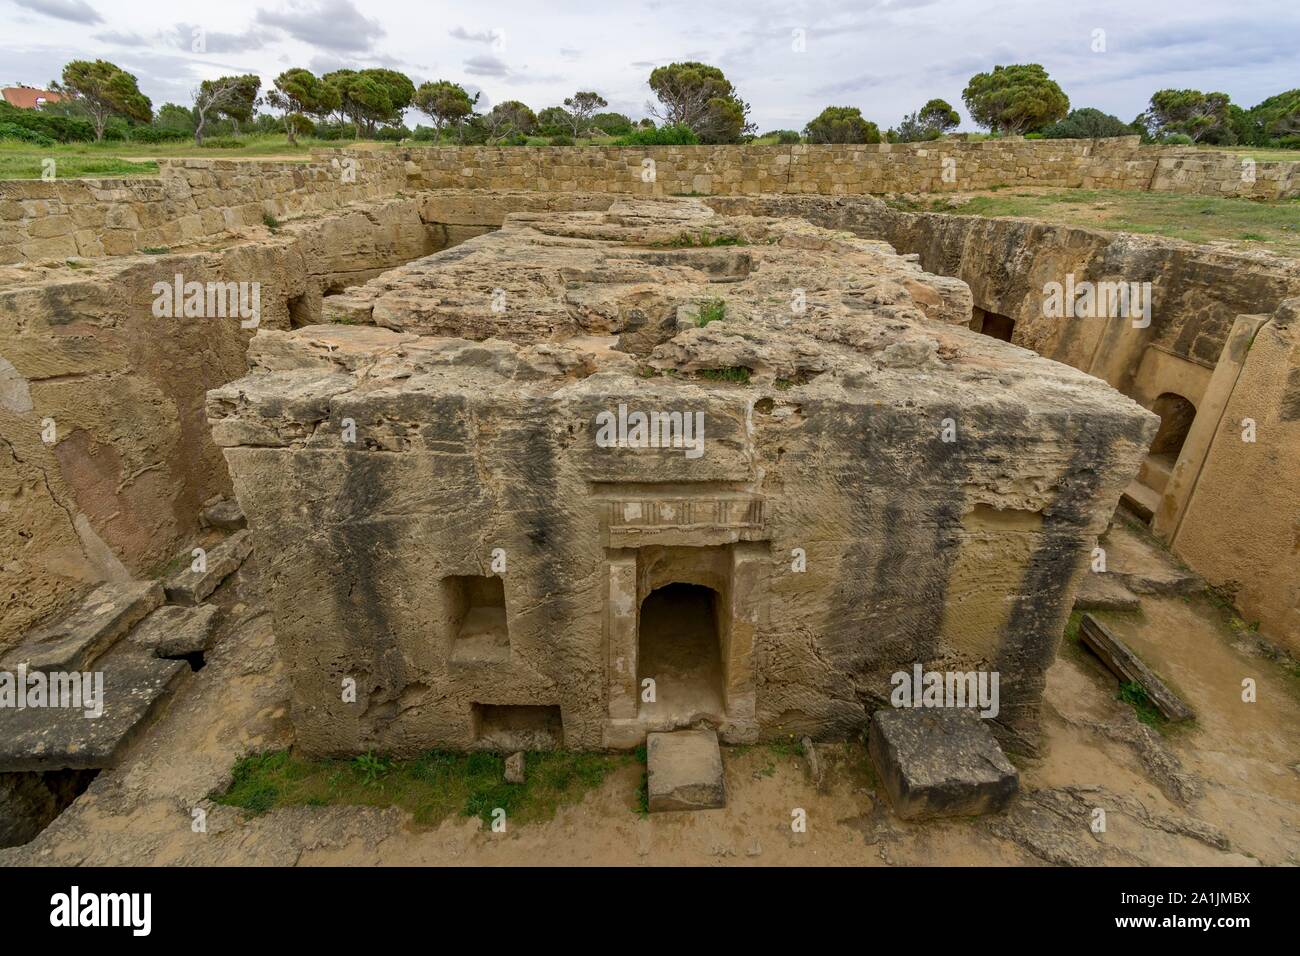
x,y
63,129
841,124
1176,139
785,137
223,142
158,134
333,131
425,134
561,141
664,136
12,131
1088,123
392,134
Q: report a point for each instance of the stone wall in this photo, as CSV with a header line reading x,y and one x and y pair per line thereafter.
x,y
197,200
947,166
190,202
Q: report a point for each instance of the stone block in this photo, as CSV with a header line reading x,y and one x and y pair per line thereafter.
x,y
78,639
515,767
685,771
175,631
940,762
190,586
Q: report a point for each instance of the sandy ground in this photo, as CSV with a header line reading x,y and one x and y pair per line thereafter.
x,y
1223,791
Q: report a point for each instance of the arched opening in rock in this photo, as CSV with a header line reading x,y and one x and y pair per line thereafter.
x,y
679,650
1176,417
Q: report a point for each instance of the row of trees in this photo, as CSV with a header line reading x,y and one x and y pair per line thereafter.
x,y
695,103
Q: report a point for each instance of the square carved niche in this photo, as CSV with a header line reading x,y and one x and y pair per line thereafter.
x,y
477,618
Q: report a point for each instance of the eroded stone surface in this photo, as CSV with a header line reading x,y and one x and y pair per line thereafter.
x,y
176,631
943,486
685,771
191,586
78,639
940,762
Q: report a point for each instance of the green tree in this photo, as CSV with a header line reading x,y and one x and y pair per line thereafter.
x,y
1278,116
447,104
612,124
1088,123
1015,99
103,90
509,119
702,99
300,93
1196,115
174,116
229,96
581,107
371,98
841,124
939,115
553,121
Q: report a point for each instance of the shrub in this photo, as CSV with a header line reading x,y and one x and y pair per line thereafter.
x,y
333,131
425,134
1176,139
1088,123
12,131
1033,136
392,134
561,141
663,136
158,134
63,129
784,137
841,124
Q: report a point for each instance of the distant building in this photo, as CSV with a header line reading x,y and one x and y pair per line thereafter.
x,y
29,97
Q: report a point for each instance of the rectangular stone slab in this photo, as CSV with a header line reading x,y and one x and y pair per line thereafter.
x,y
685,771
77,640
1128,667
191,587
56,738
940,762
175,631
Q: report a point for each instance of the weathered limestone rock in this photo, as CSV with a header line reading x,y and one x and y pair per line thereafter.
x,y
815,768
176,631
190,586
1104,592
515,768
460,512
58,738
940,762
76,641
223,514
685,771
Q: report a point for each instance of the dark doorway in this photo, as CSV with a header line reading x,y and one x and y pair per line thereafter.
x,y
992,324
1176,416
679,650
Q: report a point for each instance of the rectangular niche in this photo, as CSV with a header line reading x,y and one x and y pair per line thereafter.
x,y
479,633
510,727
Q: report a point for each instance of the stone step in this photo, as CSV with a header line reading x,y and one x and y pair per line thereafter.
x,y
78,639
134,683
940,762
685,771
191,587
1141,500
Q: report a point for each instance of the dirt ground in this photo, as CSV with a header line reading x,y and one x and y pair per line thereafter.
x,y
1223,791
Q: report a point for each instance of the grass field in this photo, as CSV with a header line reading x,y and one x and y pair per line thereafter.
x,y
1245,224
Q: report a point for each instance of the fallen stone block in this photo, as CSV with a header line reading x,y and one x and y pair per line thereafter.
x,y
1129,668
177,631
78,639
191,586
223,514
59,738
685,771
515,768
940,762
1102,592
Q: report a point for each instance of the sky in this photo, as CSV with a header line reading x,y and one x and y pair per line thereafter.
x,y
788,60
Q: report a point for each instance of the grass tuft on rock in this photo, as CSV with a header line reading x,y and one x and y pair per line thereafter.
x,y
431,787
